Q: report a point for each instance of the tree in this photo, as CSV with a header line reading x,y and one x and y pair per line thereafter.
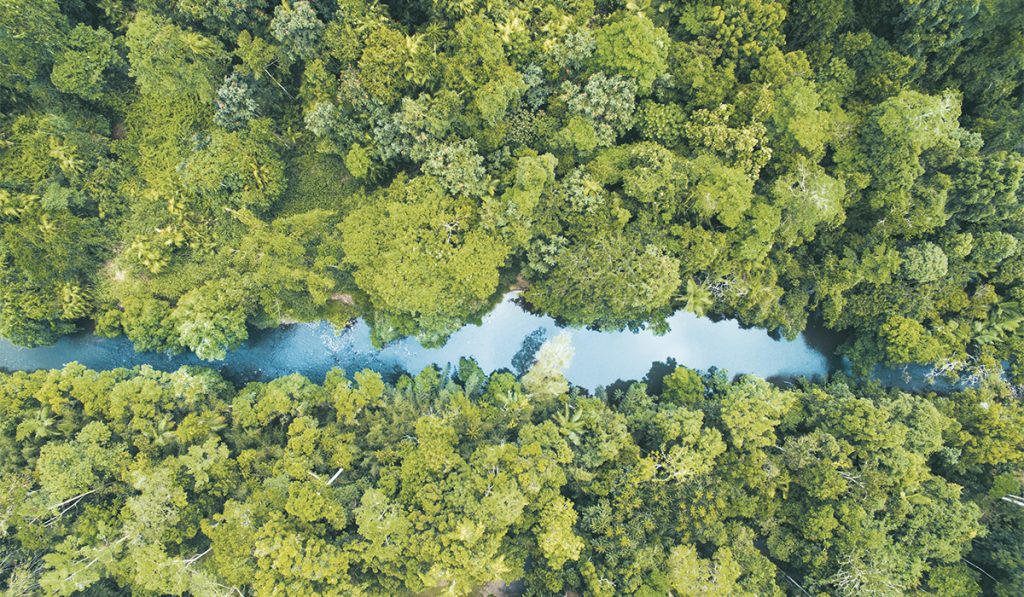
x,y
423,259
606,102
609,282
740,31
683,386
297,27
458,168
692,576
146,321
31,33
633,46
545,378
698,299
907,341
286,276
742,145
516,210
210,320
47,258
86,65
383,55
662,123
241,167
797,123
720,191
167,61
235,103
925,262
811,200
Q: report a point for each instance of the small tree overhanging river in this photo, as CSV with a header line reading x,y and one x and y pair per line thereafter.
x,y
506,338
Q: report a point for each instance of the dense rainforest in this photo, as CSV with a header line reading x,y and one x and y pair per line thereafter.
x,y
181,171
149,483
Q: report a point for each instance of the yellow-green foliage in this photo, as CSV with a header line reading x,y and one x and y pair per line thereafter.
x,y
178,483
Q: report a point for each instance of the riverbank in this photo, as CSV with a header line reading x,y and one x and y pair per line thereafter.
x,y
502,340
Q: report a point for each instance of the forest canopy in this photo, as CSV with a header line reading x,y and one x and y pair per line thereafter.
x,y
180,172
149,483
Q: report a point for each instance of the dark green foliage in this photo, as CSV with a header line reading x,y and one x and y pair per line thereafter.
x,y
442,265
31,34
610,282
169,61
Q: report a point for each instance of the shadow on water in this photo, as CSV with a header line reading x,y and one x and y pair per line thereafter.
x,y
655,378
825,341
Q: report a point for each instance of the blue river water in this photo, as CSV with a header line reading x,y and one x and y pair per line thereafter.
x,y
601,357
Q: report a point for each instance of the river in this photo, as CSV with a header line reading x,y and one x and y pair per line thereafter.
x,y
507,337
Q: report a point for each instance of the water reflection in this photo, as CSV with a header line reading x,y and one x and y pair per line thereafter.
x,y
506,339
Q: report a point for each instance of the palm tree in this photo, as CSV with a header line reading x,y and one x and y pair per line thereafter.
x,y
698,298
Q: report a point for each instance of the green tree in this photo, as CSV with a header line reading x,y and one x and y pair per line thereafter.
x,y
31,34
298,28
545,378
610,282
239,168
907,341
423,258
925,262
635,47
167,61
235,103
210,320
85,67
719,191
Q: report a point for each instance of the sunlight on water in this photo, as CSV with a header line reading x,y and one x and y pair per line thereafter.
x,y
601,357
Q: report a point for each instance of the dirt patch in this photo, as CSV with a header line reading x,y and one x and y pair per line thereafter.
x,y
520,284
343,297
494,588
116,273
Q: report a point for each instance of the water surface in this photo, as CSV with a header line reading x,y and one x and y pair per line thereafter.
x,y
601,357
